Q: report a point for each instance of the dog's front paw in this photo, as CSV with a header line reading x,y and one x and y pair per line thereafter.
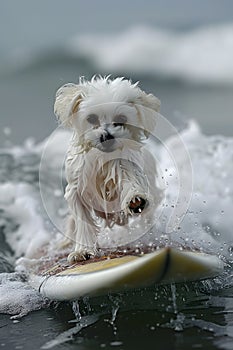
x,y
80,256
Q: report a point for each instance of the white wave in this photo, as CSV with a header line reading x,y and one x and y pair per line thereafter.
x,y
207,225
208,220
17,297
21,205
203,55
204,223
20,196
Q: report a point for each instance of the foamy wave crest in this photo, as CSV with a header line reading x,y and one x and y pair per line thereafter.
x,y
30,222
26,227
203,55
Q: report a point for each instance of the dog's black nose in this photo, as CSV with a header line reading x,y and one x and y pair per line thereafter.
x,y
107,140
106,137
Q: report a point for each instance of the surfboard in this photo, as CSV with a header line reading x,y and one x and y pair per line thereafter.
x,y
61,281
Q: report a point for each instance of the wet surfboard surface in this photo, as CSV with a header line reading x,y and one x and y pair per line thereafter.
x,y
61,281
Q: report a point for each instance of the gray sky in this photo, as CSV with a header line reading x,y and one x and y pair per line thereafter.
x,y
30,23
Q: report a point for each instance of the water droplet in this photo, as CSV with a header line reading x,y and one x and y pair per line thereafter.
x,y
76,310
116,343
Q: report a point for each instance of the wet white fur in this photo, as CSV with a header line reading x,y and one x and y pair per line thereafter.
x,y
101,184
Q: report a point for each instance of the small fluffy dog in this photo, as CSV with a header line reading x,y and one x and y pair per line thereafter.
x,y
113,187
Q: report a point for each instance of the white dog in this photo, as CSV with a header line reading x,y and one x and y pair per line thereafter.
x,y
112,178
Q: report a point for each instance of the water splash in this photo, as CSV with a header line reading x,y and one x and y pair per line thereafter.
x,y
24,226
76,310
71,333
115,301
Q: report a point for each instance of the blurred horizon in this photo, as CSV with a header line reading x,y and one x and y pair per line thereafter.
x,y
179,50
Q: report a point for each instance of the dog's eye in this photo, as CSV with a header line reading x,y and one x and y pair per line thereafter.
x,y
119,120
93,119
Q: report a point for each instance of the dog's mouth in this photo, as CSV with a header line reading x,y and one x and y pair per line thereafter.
x,y
107,146
137,205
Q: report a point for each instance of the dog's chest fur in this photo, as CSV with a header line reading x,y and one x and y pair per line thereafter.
x,y
105,186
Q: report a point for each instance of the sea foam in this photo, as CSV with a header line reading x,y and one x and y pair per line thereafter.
x,y
27,224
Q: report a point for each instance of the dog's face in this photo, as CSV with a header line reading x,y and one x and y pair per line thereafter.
x,y
106,113
107,126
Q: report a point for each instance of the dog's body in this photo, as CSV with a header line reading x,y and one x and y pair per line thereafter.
x,y
111,176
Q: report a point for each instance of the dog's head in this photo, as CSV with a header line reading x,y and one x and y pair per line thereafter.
x,y
105,112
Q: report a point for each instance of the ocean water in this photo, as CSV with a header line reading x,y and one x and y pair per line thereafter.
x,y
191,71
27,224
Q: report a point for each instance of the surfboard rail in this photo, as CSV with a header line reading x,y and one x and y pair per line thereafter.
x,y
164,265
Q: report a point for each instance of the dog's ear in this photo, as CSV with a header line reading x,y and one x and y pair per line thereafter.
x,y
67,101
147,106
149,101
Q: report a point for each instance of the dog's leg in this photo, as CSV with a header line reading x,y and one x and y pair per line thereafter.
x,y
69,239
84,238
81,230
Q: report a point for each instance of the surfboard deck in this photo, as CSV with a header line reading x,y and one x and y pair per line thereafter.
x,y
61,281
